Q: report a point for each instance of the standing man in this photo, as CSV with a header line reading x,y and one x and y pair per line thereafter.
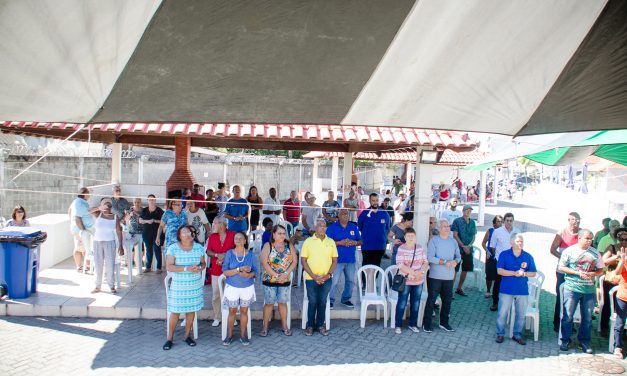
x,y
399,206
374,225
464,232
319,257
311,213
514,266
236,211
291,210
272,207
352,204
452,214
388,208
198,197
120,205
580,264
347,237
501,241
443,255
81,226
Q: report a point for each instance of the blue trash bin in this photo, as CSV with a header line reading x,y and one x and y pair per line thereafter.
x,y
19,260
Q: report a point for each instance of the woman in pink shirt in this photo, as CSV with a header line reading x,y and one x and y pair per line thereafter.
x,y
412,262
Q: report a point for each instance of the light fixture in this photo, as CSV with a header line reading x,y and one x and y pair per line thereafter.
x,y
429,156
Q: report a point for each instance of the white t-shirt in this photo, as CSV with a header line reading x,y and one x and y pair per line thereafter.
x,y
198,220
501,240
270,204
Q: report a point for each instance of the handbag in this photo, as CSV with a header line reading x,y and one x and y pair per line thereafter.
x,y
399,280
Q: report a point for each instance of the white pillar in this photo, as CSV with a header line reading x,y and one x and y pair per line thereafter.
x,y
300,177
315,182
495,186
224,172
2,192
116,163
422,200
408,175
347,175
140,169
81,171
334,174
482,187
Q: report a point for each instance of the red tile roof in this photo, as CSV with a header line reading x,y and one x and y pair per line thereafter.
x,y
449,157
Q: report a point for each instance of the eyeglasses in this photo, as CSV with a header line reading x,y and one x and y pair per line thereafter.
x,y
623,239
281,233
176,204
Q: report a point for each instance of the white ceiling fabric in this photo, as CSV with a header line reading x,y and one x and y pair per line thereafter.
x,y
473,65
60,58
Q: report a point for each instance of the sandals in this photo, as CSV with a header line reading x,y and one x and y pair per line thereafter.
x,y
190,341
263,332
287,332
167,345
95,291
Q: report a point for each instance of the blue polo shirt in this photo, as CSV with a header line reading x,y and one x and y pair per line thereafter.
x,y
374,229
235,208
508,261
336,232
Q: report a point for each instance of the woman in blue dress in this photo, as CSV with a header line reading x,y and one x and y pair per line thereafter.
x,y
185,262
172,220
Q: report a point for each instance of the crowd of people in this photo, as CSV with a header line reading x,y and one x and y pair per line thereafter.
x,y
210,233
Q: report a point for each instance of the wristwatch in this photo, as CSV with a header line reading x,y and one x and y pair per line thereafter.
x,y
185,268
238,269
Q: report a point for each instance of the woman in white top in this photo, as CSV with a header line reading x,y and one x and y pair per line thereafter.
x,y
106,228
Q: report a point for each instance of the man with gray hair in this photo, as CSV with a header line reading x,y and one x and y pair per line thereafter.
x,y
514,266
500,241
443,255
580,264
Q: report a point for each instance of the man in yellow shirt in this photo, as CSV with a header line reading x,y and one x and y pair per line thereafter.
x,y
319,257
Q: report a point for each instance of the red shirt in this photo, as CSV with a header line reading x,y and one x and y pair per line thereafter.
x,y
200,204
568,238
215,246
291,210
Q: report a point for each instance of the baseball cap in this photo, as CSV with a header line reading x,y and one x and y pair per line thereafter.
x,y
467,207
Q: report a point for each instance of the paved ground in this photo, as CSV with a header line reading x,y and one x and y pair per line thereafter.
x,y
47,345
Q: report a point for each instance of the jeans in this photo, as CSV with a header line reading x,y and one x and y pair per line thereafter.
x,y
348,269
415,291
621,314
586,306
605,311
152,249
317,295
496,288
558,306
505,307
444,288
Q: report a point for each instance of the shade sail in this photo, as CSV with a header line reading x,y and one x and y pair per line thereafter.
x,y
507,67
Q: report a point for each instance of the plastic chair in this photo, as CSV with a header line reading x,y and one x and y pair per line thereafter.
x,y
225,310
374,293
137,249
478,270
254,241
390,295
532,312
601,302
576,314
327,313
288,227
612,295
298,247
167,281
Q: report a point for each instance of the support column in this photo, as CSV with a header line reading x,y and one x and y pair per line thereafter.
x,y
81,171
182,176
495,187
116,163
347,175
482,189
224,168
422,199
408,174
315,182
334,174
3,200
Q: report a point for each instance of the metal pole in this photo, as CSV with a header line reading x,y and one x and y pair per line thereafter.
x,y
482,188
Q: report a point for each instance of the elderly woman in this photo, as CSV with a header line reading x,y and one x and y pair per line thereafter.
x,y
240,268
620,305
106,228
133,229
277,263
18,217
185,262
217,246
412,262
172,220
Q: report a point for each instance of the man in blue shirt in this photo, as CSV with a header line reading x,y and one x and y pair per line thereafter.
x,y
236,211
374,224
514,266
347,237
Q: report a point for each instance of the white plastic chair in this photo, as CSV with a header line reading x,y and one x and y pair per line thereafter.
x,y
612,295
532,312
392,297
225,310
576,314
374,292
478,270
298,247
288,227
327,311
601,302
166,281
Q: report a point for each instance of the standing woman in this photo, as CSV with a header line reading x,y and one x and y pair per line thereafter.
x,y
412,262
150,220
611,258
240,269
106,228
18,217
620,305
218,245
490,260
397,233
185,262
256,203
172,220
221,197
133,230
277,263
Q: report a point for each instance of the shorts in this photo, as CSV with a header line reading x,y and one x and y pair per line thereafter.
x,y
275,294
78,243
238,296
466,264
490,269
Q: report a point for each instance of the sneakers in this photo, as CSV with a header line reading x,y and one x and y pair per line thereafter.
x,y
446,328
227,341
426,329
348,304
215,323
398,330
585,348
414,329
494,307
564,346
500,339
245,341
520,340
460,292
331,305
618,353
